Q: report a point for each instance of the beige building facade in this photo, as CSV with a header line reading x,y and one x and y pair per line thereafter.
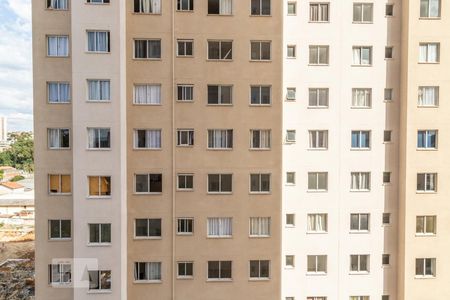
x,y
180,153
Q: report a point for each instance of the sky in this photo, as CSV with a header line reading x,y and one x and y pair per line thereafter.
x,y
16,84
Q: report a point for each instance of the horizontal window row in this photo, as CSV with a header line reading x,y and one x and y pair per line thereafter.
x,y
99,90
319,55
214,7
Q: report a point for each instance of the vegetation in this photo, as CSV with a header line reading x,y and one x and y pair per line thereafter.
x,y
20,154
17,178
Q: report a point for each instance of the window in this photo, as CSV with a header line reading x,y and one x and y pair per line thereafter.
x,y
58,45
99,233
359,298
185,182
260,138
427,139
185,5
359,222
148,183
317,181
291,51
260,226
290,136
185,92
260,183
318,55
147,94
99,138
386,259
260,50
148,228
292,8
385,297
426,225
290,94
318,139
185,226
289,298
318,97
60,229
360,181
60,273
317,264
317,223
220,138
59,184
185,47
290,220
58,138
362,56
58,92
428,96
426,182
360,139
147,6
218,270
389,52
319,12
219,7
362,12
359,263
185,269
185,137
387,136
98,41
290,178
220,94
99,280
389,11
429,53
220,50
426,267
361,98
430,8
99,186
388,94
57,4
147,271
147,139
290,261
386,177
99,90
386,218
147,49
259,269
220,227
260,8
219,183
316,298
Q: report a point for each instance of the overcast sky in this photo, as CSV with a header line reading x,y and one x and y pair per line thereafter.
x,y
16,95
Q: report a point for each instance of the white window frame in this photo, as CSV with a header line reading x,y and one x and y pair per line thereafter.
x,y
184,92
220,183
228,143
58,87
361,49
148,236
100,178
315,140
60,184
57,5
100,231
361,136
227,56
59,134
293,49
317,184
421,97
190,134
264,143
223,229
316,61
428,15
424,261
100,273
96,36
319,9
316,265
185,42
260,184
220,271
59,39
148,145
185,275
149,191
219,94
136,270
427,134
260,276
359,269
428,59
425,220
150,98
60,237
147,54
261,13
428,177
186,225
99,83
261,51
258,223
312,219
220,8
363,21
259,100
189,8
99,129
360,188
360,229
185,175
63,269
366,94
316,93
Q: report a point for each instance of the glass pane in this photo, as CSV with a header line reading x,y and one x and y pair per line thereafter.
x,y
94,233
141,227
213,269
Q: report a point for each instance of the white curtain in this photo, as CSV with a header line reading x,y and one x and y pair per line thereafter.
x,y
265,138
430,182
361,97
145,6
64,92
99,89
218,138
323,12
356,56
102,41
365,56
434,8
423,53
260,226
53,138
156,4
105,91
314,12
225,7
432,53
428,96
92,137
153,270
58,46
147,94
53,92
219,227
153,139
355,181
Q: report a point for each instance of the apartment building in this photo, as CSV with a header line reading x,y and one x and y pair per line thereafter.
x,y
218,149
159,171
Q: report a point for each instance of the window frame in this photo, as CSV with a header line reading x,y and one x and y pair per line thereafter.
x,y
185,189
147,56
99,148
260,14
148,101
260,95
314,230
186,223
268,138
149,192
186,275
360,58
100,273
229,144
316,264
424,221
60,139
220,278
360,228
259,267
362,135
100,231
423,261
260,222
317,61
359,269
59,84
180,6
58,37
184,95
360,177
363,4
219,95
426,140
49,6
99,82
420,95
260,43
136,269
367,98
63,279
317,93
220,220
100,178
190,137
317,183
220,183
219,59
96,32
438,53
146,130
428,7
426,177
314,135
60,227
319,10
260,183
185,42
60,176
148,236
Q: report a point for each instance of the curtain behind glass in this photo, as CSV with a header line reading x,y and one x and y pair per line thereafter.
x,y
225,7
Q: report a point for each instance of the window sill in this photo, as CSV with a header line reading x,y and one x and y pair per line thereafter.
x,y
147,281
428,63
359,191
259,193
185,56
185,277
98,245
147,149
317,107
289,184
424,277
290,142
427,149
291,57
146,59
60,194
290,100
264,16
99,291
184,101
60,239
59,149
56,9
60,284
260,61
289,267
185,190
316,273
59,102
359,273
184,11
425,234
219,193
316,232
427,106
145,238
147,194
430,18
260,105
97,52
259,236
426,192
319,22
57,56
317,191
317,149
98,149
360,107
259,149
185,234
219,149
362,22
361,66
318,65
259,279
219,280
220,104
219,237
360,149
219,15
147,104
289,226
359,231
218,60
98,101
146,14
98,197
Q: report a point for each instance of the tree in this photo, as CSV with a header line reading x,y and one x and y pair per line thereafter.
x,y
20,154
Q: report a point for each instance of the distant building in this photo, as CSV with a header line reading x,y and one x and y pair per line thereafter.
x,y
17,203
3,129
